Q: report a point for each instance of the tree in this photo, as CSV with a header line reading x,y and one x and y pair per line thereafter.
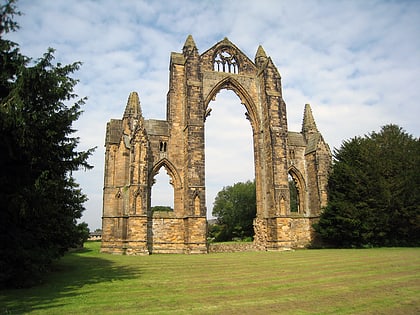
x,y
235,209
162,208
374,192
294,204
84,232
40,201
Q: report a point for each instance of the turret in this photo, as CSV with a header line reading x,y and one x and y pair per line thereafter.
x,y
308,124
132,109
260,57
132,113
189,46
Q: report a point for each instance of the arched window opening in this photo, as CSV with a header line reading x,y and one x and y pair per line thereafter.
x,y
162,146
162,194
294,195
225,61
229,149
292,154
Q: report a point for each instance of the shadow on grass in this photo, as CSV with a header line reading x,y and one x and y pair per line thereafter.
x,y
75,271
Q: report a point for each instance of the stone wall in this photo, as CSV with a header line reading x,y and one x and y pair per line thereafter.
x,y
283,232
231,247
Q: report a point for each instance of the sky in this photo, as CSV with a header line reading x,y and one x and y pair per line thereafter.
x,y
356,62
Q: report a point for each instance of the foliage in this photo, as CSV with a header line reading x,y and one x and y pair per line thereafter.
x,y
83,231
40,201
217,232
374,192
235,209
294,207
162,208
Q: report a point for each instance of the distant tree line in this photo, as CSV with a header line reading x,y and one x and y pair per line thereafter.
x,y
39,198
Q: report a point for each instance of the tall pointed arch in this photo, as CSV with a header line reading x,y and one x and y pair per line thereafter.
x,y
170,168
232,84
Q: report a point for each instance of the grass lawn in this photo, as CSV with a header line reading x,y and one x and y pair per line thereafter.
x,y
362,281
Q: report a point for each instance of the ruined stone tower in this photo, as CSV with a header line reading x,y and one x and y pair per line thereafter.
x,y
136,149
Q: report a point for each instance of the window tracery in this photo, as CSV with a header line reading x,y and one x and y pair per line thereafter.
x,y
225,61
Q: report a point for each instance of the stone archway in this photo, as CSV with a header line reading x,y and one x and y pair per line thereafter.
x,y
136,148
251,116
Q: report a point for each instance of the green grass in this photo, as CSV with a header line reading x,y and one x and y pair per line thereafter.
x,y
356,281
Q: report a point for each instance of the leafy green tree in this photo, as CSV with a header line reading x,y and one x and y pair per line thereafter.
x,y
235,209
217,233
40,201
374,192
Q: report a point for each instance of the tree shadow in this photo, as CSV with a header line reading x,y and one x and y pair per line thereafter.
x,y
71,273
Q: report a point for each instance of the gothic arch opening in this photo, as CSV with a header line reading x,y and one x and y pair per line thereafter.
x,y
297,191
229,151
162,191
229,83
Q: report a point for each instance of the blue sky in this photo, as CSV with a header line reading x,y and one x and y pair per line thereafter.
x,y
356,62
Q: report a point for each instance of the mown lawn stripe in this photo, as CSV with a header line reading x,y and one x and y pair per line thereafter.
x,y
368,281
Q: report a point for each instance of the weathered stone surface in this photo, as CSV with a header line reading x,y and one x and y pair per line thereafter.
x,y
231,247
136,149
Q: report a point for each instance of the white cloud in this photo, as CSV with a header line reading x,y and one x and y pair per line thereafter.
x,y
356,62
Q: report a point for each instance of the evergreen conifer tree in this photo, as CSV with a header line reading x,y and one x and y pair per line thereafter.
x,y
374,192
40,201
